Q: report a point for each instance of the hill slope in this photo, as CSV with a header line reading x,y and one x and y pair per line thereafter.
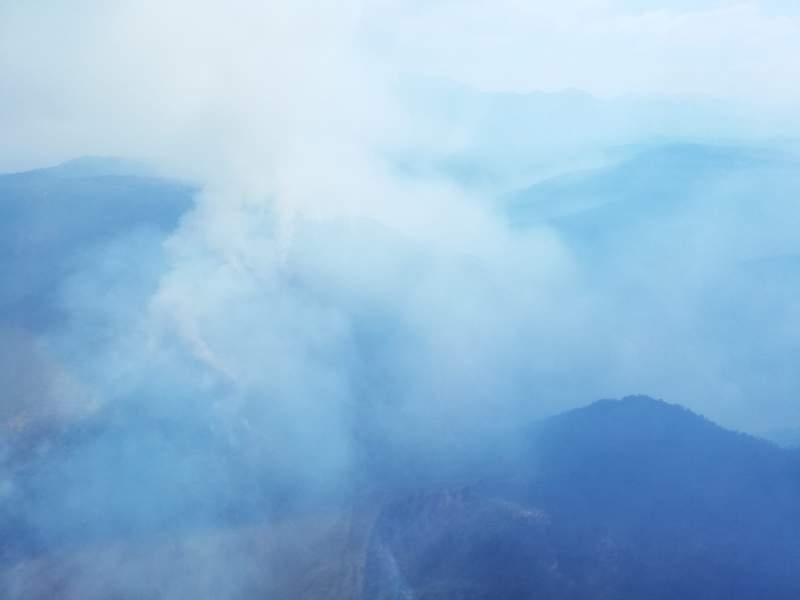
x,y
622,499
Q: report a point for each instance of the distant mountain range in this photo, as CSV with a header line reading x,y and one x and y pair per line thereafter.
x,y
646,181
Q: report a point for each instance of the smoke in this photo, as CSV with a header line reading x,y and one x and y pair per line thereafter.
x,y
355,286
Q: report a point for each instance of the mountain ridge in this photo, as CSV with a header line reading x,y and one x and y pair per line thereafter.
x,y
620,499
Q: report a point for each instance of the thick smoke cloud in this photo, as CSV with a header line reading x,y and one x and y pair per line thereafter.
x,y
339,254
369,261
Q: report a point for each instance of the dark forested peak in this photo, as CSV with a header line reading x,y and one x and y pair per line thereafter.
x,y
631,416
646,415
639,402
650,433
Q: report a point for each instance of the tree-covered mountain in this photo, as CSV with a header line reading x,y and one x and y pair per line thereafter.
x,y
621,499
54,221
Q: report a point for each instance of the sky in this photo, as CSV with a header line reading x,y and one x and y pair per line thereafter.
x,y
349,257
95,77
